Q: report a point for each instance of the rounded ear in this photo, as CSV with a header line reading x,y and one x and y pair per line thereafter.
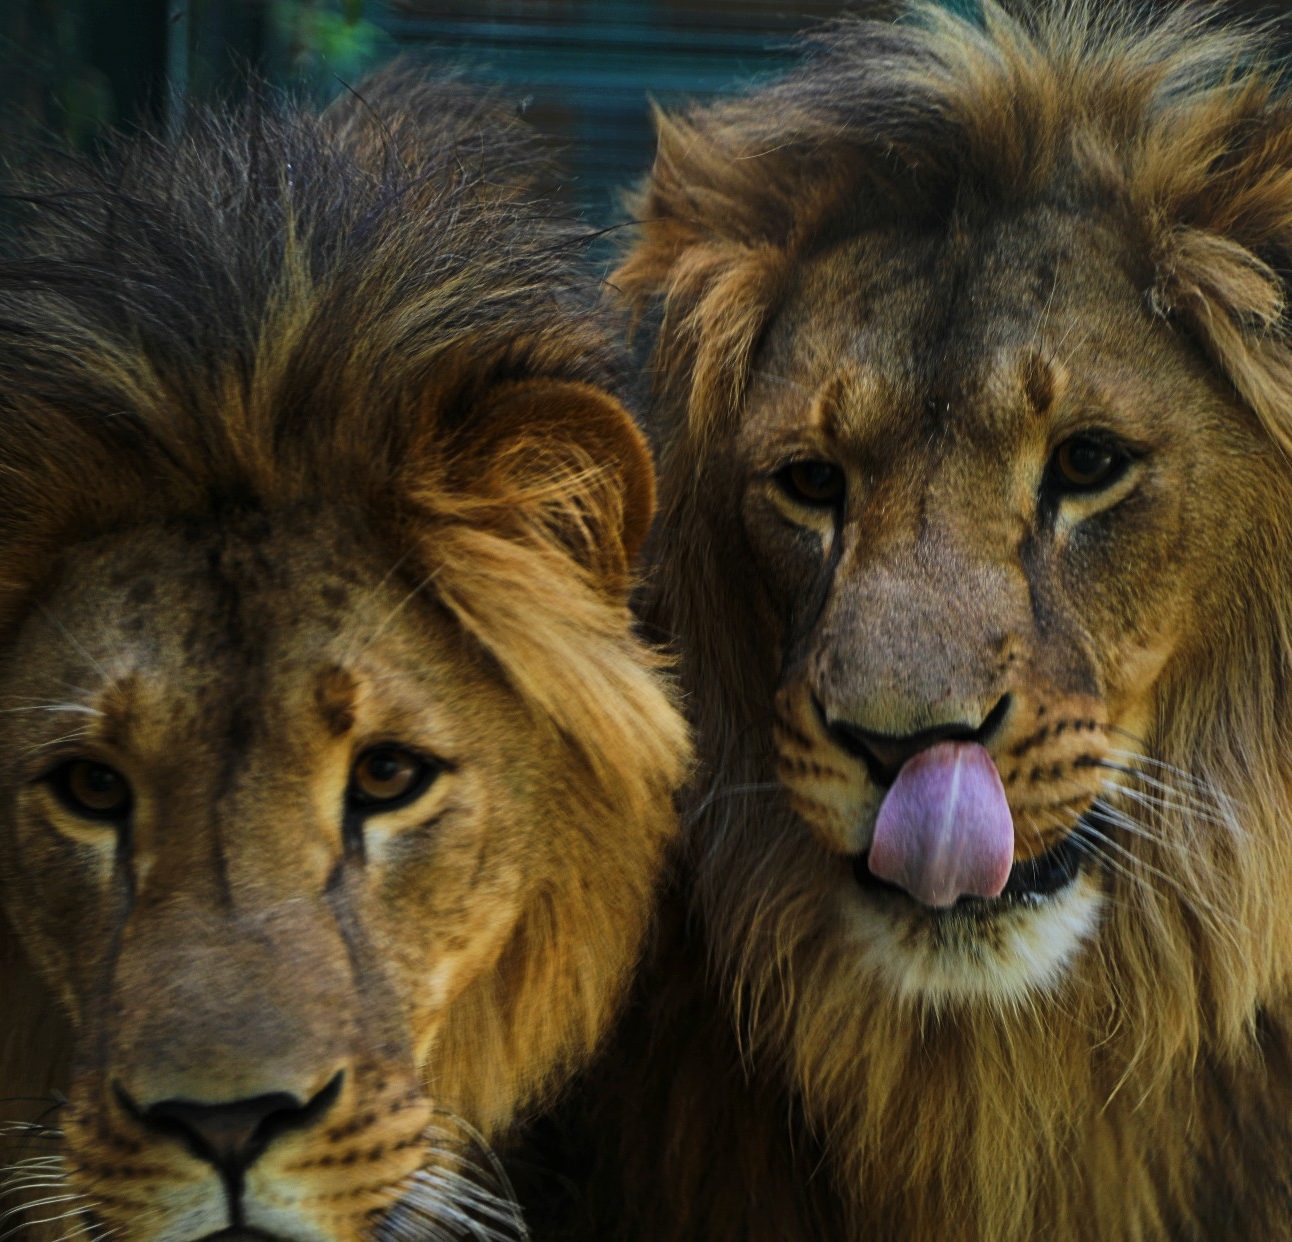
x,y
713,248
573,459
1214,184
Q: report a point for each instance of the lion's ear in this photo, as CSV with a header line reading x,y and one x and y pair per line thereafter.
x,y
569,461
1220,201
704,192
714,248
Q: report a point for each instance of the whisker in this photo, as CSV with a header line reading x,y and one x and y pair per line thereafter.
x,y
453,1200
426,1230
732,791
72,641
46,1220
482,1145
398,608
431,1201
27,1186
70,708
1136,758
85,1228
1104,809
1223,922
28,1127
30,1164
64,1198
464,1195
1179,801
1089,840
53,742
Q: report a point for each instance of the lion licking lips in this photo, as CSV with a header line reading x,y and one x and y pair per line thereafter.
x,y
333,781
977,542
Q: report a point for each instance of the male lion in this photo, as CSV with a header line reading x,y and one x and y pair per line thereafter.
x,y
977,539
334,781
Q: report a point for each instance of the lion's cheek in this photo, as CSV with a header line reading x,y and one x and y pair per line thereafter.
x,y
461,959
823,788
63,904
455,953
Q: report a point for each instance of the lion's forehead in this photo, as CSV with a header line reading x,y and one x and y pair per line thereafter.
x,y
905,333
219,637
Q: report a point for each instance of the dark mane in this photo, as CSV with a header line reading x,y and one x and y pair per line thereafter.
x,y
280,299
293,309
933,105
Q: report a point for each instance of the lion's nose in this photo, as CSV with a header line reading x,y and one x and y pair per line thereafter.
x,y
885,753
231,1135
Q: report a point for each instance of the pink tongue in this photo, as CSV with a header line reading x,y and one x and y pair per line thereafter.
x,y
944,829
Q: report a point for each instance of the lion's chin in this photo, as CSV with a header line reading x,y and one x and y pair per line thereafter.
x,y
1000,950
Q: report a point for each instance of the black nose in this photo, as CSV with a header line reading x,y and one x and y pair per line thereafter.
x,y
884,753
232,1135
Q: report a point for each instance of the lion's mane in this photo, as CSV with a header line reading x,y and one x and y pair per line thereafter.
x,y
1154,1096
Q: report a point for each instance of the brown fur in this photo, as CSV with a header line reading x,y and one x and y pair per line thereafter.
x,y
309,443
929,256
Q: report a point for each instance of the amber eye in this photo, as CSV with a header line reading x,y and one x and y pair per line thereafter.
x,y
1086,464
817,483
388,776
92,790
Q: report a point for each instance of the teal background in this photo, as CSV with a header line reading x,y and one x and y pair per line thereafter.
x,y
582,70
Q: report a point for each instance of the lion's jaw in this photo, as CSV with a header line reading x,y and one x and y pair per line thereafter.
x,y
947,595
238,941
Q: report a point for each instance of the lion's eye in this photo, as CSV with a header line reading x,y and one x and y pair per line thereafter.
x,y
1086,464
386,777
92,790
817,483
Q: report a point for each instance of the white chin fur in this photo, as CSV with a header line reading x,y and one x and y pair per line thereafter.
x,y
1004,960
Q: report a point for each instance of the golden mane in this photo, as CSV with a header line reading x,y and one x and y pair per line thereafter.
x,y
1175,119
285,306
1104,1116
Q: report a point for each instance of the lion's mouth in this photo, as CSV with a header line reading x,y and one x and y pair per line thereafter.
x,y
241,1234
1029,881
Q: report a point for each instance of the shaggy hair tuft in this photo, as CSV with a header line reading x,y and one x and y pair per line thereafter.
x,y
1173,122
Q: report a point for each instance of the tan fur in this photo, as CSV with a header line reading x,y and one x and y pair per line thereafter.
x,y
310,443
929,256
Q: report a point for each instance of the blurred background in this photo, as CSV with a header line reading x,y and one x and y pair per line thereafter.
x,y
582,70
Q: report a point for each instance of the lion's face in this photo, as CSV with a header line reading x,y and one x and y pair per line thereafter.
x,y
981,524
272,818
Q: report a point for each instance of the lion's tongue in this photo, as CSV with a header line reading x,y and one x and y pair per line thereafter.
x,y
944,828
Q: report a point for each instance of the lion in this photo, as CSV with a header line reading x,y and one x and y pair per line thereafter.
x,y
975,387
322,702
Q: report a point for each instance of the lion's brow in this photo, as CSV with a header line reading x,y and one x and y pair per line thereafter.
x,y
104,712
335,693
114,703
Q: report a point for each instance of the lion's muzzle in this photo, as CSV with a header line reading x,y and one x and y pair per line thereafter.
x,y
232,1135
